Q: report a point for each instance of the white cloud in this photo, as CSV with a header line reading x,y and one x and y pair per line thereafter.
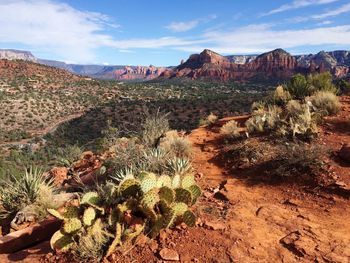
x,y
262,38
296,4
182,26
341,10
55,27
188,25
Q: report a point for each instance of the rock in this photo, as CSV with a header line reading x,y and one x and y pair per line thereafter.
x,y
59,175
221,196
215,225
153,245
344,153
169,254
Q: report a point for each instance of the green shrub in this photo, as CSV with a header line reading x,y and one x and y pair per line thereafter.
x,y
298,87
326,103
343,86
321,82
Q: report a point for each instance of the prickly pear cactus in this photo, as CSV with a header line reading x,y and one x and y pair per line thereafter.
x,y
148,184
183,195
90,198
129,187
164,180
72,225
150,199
167,194
187,181
55,213
189,218
176,181
89,216
195,192
61,241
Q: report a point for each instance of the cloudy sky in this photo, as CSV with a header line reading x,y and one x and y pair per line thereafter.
x,y
159,32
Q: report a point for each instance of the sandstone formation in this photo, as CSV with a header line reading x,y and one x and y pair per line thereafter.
x,y
277,64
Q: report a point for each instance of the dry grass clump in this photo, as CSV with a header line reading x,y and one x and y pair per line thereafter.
x,y
298,160
230,130
211,119
176,145
154,127
325,102
263,119
281,96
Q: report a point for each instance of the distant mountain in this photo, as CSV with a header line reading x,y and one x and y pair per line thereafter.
x,y
276,64
12,54
117,72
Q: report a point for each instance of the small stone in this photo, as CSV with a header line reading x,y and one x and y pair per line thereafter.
x,y
215,225
169,254
207,194
153,245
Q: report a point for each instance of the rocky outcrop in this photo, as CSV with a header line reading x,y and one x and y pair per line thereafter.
x,y
210,65
13,54
276,64
132,73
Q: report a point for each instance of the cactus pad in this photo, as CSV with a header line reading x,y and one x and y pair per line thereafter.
x,y
72,225
89,216
176,181
150,199
71,212
148,184
147,175
90,198
129,187
183,195
195,192
164,180
55,213
187,181
189,218
179,208
167,194
61,241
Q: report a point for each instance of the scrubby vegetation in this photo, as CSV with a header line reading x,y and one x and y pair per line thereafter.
x,y
282,129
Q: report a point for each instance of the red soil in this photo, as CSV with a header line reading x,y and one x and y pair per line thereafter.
x,y
254,221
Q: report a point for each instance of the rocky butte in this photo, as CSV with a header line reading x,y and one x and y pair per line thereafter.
x,y
276,64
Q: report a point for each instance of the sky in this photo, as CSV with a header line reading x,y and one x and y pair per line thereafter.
x,y
162,33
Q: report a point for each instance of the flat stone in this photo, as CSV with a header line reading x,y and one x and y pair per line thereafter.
x,y
215,225
169,254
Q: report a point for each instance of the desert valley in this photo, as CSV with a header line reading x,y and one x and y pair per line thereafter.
x,y
218,158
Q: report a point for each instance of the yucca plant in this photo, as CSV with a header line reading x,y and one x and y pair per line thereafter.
x,y
20,190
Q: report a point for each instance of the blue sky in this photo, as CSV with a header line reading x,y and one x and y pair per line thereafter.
x,y
158,32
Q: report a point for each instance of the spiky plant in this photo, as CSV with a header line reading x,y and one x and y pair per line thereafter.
x,y
179,166
16,192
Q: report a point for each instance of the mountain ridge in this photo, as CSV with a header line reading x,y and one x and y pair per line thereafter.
x,y
209,64
275,64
